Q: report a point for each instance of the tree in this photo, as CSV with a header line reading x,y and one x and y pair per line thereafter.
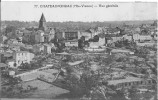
x,y
141,51
108,50
10,29
98,93
107,61
80,43
81,85
96,38
15,65
25,66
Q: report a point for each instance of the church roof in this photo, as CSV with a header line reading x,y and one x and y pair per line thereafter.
x,y
43,18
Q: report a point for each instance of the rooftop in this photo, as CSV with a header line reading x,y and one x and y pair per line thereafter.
x,y
3,65
127,79
119,50
22,52
75,40
63,53
75,63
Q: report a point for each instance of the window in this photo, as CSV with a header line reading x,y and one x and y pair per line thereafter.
x,y
141,82
149,81
137,83
125,84
129,84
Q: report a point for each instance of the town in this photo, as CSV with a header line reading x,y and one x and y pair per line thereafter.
x,y
101,63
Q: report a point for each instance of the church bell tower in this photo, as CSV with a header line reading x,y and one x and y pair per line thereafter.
x,y
42,23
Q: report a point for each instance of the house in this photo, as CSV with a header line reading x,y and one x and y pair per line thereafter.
x,y
148,44
71,43
95,44
20,32
5,56
39,36
129,82
59,34
28,36
71,35
3,66
20,39
105,38
2,38
15,42
101,41
137,30
28,46
138,37
14,47
100,30
113,31
47,48
9,51
11,63
87,34
12,41
44,36
22,57
49,34
128,37
38,48
116,38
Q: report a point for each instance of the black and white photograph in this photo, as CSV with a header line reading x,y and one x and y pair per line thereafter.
x,y
78,50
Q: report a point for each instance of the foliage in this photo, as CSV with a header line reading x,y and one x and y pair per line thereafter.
x,y
14,89
80,85
14,80
141,52
32,65
81,43
94,39
59,44
10,29
107,61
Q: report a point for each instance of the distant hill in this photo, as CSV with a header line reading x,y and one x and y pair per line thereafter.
x,y
75,25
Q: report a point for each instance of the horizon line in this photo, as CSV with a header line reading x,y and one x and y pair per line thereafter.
x,y
86,21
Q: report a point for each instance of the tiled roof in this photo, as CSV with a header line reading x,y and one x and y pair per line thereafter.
x,y
22,52
3,65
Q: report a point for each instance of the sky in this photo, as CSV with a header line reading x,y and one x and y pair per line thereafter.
x,y
27,11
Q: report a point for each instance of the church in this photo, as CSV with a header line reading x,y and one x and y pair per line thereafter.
x,y
44,33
